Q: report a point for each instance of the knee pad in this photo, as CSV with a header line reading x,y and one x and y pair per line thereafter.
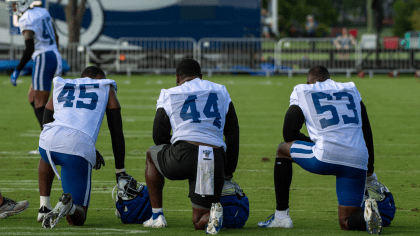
x,y
235,206
132,202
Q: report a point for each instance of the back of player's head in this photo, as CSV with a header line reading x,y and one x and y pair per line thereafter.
x,y
188,67
93,72
318,74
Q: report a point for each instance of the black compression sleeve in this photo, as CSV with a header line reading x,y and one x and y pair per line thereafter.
x,y
161,128
48,117
293,122
367,135
231,132
27,54
117,136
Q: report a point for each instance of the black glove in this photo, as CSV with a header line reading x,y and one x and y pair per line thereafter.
x,y
99,161
121,174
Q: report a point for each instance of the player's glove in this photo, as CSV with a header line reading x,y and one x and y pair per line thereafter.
x,y
99,161
118,175
14,77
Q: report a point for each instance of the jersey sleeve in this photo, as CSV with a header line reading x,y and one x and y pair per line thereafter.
x,y
26,24
161,99
228,100
294,100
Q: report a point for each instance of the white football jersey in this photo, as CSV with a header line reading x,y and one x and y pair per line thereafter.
x,y
333,119
197,110
79,107
39,21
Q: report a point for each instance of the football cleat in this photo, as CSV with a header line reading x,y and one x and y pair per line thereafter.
x,y
216,219
63,208
42,212
159,222
372,217
10,207
34,152
275,222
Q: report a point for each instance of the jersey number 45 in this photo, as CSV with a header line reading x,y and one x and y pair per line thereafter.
x,y
69,91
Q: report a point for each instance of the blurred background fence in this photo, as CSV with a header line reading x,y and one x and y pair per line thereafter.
x,y
257,56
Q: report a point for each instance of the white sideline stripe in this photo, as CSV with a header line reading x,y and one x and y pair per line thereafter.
x,y
68,231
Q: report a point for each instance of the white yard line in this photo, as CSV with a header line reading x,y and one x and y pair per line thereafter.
x,y
66,231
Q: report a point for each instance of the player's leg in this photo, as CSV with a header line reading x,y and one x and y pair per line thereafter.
x,y
76,181
31,99
45,180
47,65
155,182
283,172
8,207
207,210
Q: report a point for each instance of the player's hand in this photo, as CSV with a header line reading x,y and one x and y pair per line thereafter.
x,y
121,174
14,77
99,161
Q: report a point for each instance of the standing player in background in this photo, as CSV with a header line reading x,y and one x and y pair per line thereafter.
x,y
340,144
199,113
73,117
8,207
41,42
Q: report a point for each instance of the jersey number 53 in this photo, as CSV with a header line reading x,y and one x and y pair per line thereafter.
x,y
335,118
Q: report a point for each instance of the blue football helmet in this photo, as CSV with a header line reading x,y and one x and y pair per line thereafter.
x,y
132,201
235,205
385,200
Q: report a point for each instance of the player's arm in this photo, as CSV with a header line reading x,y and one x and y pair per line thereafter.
x,y
367,135
27,54
293,122
48,112
161,128
231,133
113,115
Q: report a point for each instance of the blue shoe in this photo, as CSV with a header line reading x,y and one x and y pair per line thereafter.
x,y
216,219
275,222
372,217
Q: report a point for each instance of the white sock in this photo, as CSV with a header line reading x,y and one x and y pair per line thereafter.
x,y
372,177
282,214
73,209
45,201
157,210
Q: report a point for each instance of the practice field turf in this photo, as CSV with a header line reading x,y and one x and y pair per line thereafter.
x,y
393,107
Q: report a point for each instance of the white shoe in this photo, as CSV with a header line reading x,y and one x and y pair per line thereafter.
x,y
275,222
35,152
63,208
216,219
159,222
42,212
372,217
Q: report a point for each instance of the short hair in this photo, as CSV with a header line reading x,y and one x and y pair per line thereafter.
x,y
92,72
188,67
321,73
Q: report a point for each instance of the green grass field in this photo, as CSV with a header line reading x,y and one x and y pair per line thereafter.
x,y
393,107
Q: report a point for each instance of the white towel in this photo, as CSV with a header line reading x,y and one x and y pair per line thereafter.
x,y
205,171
